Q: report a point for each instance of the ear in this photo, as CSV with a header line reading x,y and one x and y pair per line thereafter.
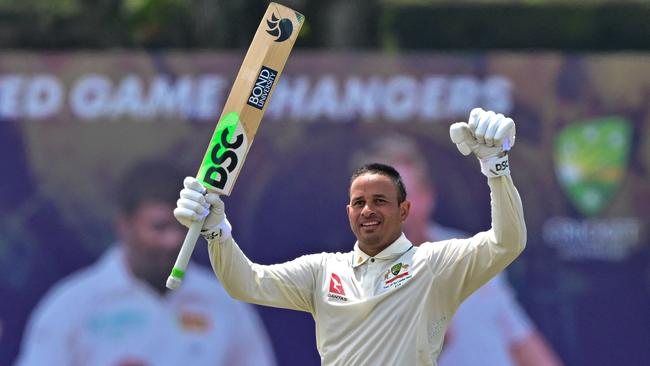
x,y
404,209
347,209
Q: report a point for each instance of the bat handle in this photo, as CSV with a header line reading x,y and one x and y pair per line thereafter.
x,y
176,277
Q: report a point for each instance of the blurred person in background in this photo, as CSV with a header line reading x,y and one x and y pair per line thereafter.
x,y
119,312
489,328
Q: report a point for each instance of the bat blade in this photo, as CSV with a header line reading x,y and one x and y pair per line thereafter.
x,y
248,99
242,113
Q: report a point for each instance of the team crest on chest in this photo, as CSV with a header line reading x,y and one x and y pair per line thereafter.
x,y
396,275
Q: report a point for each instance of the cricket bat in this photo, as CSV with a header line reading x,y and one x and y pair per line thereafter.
x,y
242,114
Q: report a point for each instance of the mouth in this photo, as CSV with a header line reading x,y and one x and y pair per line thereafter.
x,y
369,224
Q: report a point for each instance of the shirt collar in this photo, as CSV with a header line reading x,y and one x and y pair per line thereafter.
x,y
396,249
113,265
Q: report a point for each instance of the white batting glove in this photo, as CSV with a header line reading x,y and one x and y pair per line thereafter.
x,y
196,204
489,136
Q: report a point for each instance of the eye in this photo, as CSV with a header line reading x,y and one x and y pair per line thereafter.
x,y
380,201
357,203
159,226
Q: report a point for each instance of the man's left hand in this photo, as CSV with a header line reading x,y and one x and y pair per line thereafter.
x,y
489,136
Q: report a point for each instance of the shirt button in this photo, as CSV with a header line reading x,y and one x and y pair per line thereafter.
x,y
372,260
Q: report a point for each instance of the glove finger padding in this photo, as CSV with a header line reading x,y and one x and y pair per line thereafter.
x,y
197,204
493,125
216,205
194,196
489,136
200,210
472,121
186,216
505,134
194,184
461,135
484,121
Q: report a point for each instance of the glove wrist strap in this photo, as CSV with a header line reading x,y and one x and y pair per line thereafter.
x,y
220,232
495,166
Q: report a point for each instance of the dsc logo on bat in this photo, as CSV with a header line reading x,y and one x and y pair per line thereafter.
x,y
227,149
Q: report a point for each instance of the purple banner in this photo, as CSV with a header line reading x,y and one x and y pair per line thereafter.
x,y
71,123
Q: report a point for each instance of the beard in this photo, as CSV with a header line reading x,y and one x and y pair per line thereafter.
x,y
153,268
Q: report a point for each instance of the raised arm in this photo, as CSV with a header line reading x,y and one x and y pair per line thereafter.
x,y
490,137
469,263
288,285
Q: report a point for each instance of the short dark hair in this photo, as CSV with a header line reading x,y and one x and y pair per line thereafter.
x,y
149,181
385,170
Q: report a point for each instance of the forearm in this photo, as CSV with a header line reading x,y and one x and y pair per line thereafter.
x,y
234,269
508,227
483,256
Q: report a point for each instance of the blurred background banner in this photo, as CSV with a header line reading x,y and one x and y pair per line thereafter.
x,y
72,122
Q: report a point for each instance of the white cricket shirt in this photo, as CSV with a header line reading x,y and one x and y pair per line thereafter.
x,y
104,316
391,309
487,324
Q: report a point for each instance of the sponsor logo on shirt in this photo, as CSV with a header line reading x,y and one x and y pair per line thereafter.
x,y
397,274
336,288
118,323
194,322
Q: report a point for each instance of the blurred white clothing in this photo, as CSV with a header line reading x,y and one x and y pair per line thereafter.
x,y
102,316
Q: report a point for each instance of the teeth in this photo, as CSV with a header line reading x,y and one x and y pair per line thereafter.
x,y
372,223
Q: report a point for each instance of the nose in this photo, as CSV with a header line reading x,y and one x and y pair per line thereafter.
x,y
367,210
